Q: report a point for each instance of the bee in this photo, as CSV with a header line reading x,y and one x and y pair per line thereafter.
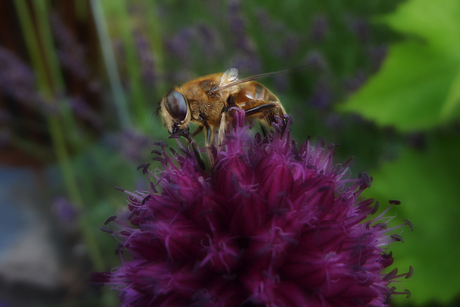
x,y
207,101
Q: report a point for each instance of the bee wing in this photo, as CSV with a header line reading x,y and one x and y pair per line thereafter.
x,y
228,77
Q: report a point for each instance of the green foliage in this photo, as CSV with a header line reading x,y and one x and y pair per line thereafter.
x,y
418,85
427,185
418,89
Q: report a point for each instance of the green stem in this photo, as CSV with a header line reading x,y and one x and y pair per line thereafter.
x,y
81,9
110,64
72,133
26,145
132,60
41,12
56,79
157,46
71,184
32,46
55,127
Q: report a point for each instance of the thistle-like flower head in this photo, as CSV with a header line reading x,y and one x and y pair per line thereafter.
x,y
272,224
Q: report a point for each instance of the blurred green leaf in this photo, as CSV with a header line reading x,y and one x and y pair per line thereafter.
x,y
452,104
436,21
427,185
416,87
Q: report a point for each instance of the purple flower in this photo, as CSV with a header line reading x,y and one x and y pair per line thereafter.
x,y
247,64
210,44
353,83
64,210
237,26
134,145
272,224
179,45
146,59
17,80
360,28
81,108
322,95
71,54
316,61
247,59
376,55
320,27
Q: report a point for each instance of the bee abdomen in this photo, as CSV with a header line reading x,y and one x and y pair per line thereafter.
x,y
255,91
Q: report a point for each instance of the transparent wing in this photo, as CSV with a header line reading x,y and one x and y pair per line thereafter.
x,y
228,77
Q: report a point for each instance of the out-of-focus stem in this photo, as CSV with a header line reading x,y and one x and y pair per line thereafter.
x,y
32,46
44,30
110,64
81,8
124,25
50,58
48,81
55,127
157,46
69,178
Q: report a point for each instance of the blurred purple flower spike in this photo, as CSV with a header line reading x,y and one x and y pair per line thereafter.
x,y
17,80
272,224
64,210
320,28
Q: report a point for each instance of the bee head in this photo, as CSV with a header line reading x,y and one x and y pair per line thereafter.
x,y
174,112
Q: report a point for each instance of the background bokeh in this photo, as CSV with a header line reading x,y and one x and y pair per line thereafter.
x,y
79,85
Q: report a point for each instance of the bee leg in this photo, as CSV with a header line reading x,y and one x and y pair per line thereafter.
x,y
223,123
191,142
209,137
198,130
264,110
260,109
264,130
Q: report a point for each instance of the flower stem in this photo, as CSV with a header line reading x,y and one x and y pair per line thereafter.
x,y
157,46
125,27
50,81
110,64
56,86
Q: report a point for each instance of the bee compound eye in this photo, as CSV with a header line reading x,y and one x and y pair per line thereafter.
x,y
176,105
